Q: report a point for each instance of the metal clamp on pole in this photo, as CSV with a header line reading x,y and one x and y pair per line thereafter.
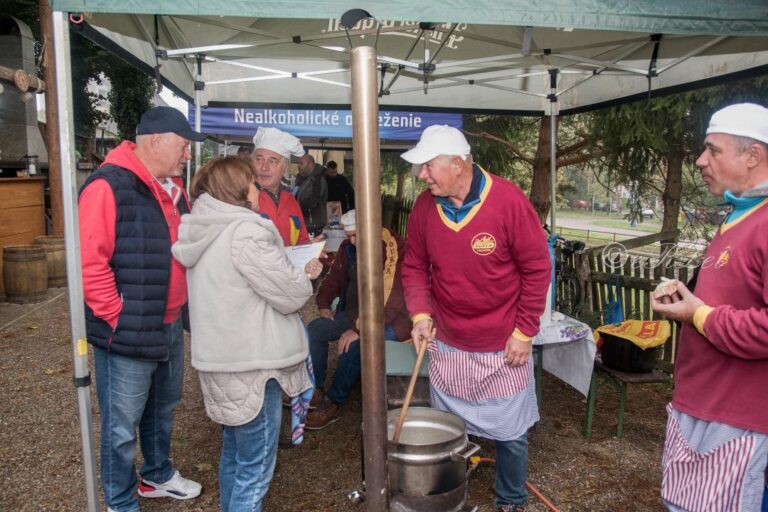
x,y
82,382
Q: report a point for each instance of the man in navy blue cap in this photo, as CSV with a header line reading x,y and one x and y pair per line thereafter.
x,y
167,120
135,292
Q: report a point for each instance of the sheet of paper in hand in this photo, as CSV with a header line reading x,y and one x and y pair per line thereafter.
x,y
299,255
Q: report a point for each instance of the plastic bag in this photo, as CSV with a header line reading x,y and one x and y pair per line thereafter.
x,y
613,312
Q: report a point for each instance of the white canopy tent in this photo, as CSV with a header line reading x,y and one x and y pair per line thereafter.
x,y
526,57
486,66
514,58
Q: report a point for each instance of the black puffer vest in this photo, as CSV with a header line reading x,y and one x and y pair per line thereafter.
x,y
141,263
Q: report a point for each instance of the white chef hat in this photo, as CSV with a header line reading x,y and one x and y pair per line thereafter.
x,y
278,141
742,120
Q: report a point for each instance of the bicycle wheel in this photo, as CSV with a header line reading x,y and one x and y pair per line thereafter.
x,y
568,294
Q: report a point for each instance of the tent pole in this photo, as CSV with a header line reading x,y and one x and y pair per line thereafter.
x,y
199,86
82,378
553,146
365,144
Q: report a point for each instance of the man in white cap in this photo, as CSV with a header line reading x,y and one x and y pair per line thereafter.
x,y
716,451
341,283
271,156
476,273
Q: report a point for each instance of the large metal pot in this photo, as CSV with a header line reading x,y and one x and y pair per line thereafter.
x,y
431,455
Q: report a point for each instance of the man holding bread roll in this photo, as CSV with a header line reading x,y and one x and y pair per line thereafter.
x,y
716,452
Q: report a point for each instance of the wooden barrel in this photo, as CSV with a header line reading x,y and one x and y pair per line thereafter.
x,y
25,273
55,259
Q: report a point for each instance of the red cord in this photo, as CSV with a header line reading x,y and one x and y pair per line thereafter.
x,y
76,18
538,494
534,490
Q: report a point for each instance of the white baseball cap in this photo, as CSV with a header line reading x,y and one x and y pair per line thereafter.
x,y
278,141
436,140
742,120
348,221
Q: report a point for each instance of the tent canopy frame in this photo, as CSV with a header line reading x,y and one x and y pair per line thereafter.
x,y
554,41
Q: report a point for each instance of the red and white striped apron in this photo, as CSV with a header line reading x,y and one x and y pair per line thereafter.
x,y
475,376
712,481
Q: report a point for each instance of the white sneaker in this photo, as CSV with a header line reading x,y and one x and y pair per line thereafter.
x,y
177,487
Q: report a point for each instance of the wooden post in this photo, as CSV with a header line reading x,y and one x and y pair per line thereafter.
x,y
51,118
584,274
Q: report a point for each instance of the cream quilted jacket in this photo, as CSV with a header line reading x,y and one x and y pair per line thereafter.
x,y
244,295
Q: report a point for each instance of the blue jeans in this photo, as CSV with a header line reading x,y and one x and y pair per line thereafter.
x,y
321,332
764,508
131,394
511,471
248,455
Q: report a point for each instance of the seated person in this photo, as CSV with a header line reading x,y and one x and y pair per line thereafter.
x,y
341,282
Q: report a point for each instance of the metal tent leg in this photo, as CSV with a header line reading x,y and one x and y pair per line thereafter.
x,y
591,397
81,378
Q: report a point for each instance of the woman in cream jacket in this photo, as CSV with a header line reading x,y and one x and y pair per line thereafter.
x,y
248,341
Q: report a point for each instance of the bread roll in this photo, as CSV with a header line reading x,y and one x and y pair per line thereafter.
x,y
666,291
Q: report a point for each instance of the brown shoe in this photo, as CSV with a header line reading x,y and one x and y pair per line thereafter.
x,y
326,413
317,398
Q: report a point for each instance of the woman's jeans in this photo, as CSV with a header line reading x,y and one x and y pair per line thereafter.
x,y
131,394
511,471
321,332
248,456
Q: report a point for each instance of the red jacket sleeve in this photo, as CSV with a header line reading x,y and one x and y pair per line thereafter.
x,y
97,216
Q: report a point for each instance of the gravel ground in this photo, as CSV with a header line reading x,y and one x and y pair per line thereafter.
x,y
41,464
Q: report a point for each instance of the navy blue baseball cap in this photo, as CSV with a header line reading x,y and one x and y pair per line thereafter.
x,y
167,120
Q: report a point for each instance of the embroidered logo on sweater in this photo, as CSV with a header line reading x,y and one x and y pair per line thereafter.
x,y
724,257
483,244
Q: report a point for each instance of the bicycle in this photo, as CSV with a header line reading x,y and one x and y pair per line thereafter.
x,y
568,294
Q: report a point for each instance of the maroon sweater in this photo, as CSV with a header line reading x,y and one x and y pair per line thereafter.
x,y
724,376
481,277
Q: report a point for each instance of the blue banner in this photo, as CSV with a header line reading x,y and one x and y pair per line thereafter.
x,y
316,123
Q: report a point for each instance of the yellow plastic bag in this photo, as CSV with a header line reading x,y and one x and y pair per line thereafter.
x,y
643,333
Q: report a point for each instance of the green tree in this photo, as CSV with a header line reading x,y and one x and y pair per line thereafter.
x,y
648,145
519,148
88,65
130,96
644,148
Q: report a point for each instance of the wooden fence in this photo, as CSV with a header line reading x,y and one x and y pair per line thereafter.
x,y
395,213
638,274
